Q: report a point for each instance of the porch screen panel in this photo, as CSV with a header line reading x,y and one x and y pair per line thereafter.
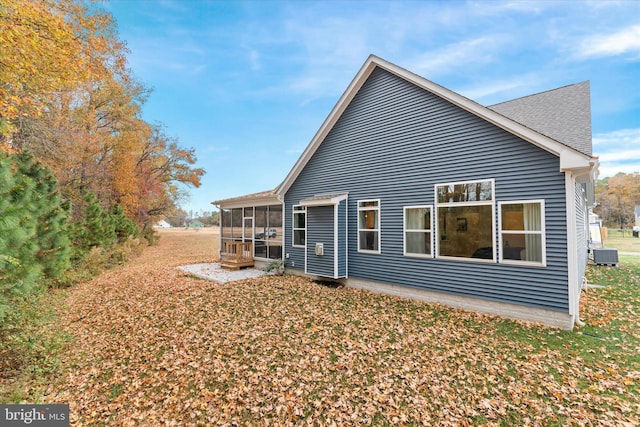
x,y
274,240
261,226
236,224
227,233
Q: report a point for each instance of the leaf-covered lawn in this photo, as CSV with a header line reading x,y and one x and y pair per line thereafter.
x,y
154,346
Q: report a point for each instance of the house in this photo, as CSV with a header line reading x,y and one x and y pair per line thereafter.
x,y
162,224
637,213
411,189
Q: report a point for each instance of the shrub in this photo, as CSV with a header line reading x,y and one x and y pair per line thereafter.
x,y
276,265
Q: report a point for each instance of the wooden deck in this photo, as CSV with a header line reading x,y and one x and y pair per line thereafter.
x,y
236,255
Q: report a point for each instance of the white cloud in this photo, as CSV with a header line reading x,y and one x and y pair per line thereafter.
x,y
254,60
498,7
619,151
295,150
624,41
474,51
489,89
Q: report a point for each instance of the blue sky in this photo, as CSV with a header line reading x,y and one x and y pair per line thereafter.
x,y
247,84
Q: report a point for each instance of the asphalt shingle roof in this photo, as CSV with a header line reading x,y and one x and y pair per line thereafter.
x,y
563,114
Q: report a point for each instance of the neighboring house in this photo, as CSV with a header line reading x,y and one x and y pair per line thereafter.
x,y
162,224
637,211
411,189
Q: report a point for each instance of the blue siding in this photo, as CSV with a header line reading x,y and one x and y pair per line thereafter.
x,y
342,239
394,142
320,229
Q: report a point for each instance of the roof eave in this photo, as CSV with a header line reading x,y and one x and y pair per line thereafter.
x,y
327,200
247,202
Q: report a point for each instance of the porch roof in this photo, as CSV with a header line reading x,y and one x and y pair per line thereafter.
x,y
269,197
324,199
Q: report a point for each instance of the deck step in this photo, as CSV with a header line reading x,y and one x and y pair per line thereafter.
x,y
236,266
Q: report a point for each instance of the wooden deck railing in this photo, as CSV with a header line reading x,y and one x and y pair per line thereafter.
x,y
235,255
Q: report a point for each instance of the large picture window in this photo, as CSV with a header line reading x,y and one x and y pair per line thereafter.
x,y
299,225
465,220
369,226
522,237
417,231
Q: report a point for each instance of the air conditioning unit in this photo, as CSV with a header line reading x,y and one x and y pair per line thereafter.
x,y
605,256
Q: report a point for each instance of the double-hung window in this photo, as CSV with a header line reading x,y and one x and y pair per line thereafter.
x,y
417,231
299,225
465,219
369,226
522,236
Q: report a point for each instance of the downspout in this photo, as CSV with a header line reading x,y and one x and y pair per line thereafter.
x,y
284,225
583,287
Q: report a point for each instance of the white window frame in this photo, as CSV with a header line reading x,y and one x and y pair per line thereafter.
x,y
298,209
378,230
406,230
542,233
436,220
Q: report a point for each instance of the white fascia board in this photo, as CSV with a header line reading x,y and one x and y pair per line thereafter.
x,y
573,160
247,203
324,202
583,173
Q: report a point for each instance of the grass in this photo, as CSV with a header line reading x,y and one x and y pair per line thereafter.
x,y
31,345
623,243
155,346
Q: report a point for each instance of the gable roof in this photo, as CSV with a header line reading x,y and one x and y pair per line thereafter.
x,y
570,156
563,114
558,121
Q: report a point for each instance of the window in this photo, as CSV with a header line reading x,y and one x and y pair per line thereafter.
x,y
417,231
299,225
465,226
369,226
522,234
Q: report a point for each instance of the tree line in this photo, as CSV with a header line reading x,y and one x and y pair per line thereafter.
x,y
616,199
79,167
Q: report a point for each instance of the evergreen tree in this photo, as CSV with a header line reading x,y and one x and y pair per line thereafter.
x,y
33,235
94,229
18,246
123,227
52,234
